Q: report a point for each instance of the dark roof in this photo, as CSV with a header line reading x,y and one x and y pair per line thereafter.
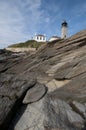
x,y
64,23
54,37
41,35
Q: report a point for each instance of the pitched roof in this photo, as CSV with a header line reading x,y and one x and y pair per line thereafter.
x,y
41,35
54,37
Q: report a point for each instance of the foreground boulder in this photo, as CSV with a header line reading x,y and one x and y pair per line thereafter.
x,y
45,90
34,94
11,95
47,114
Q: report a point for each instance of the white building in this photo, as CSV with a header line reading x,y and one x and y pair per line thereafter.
x,y
64,32
40,38
54,38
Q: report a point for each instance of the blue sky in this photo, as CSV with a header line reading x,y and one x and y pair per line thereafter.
x,y
21,19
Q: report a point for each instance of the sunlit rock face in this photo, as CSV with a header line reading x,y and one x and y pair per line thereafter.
x,y
45,90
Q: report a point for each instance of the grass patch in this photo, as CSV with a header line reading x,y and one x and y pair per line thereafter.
x,y
29,43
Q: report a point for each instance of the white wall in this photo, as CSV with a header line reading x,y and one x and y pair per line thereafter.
x,y
40,39
64,32
53,38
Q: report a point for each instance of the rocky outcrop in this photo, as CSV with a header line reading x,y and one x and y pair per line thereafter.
x,y
47,114
12,92
45,90
21,49
34,94
59,115
79,108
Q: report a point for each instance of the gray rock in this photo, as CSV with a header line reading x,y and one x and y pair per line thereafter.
x,y
34,94
79,108
12,93
62,66
29,117
47,114
59,115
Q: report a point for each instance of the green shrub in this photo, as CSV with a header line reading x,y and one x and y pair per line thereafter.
x,y
29,43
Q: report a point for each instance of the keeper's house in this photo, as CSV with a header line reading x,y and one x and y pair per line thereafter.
x,y
53,38
40,38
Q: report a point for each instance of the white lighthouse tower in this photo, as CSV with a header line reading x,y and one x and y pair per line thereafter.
x,y
64,29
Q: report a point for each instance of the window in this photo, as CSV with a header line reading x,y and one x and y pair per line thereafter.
x,y
43,38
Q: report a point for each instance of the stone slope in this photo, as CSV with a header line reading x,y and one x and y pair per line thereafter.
x,y
46,90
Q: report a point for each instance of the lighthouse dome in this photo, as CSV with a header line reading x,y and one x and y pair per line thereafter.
x,y
64,23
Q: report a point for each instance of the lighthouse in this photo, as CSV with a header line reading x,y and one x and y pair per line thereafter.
x,y
64,29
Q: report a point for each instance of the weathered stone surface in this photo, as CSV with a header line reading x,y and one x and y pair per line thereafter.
x,y
46,114
60,115
12,92
54,68
55,84
29,117
79,108
59,65
34,94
